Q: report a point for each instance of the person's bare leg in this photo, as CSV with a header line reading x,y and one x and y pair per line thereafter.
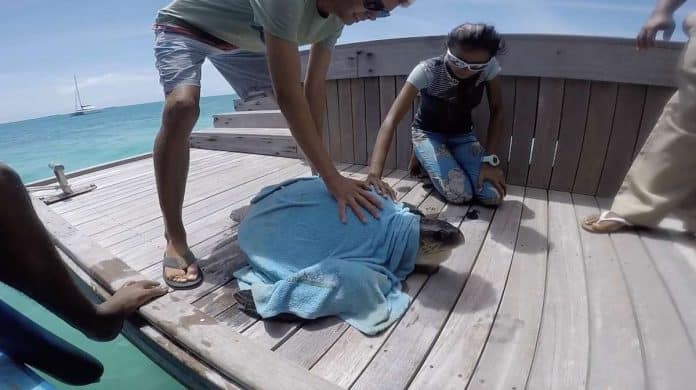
x,y
32,265
171,158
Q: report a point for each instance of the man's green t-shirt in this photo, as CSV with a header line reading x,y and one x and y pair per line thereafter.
x,y
242,22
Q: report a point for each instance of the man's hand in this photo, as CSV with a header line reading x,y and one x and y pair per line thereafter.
x,y
494,175
354,194
658,21
380,186
125,301
130,297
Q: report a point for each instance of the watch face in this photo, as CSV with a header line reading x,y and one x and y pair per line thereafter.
x,y
492,160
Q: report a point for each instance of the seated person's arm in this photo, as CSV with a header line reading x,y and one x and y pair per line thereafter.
x,y
495,133
385,135
32,265
284,66
496,123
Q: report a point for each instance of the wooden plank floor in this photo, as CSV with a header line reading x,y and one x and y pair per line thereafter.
x,y
529,301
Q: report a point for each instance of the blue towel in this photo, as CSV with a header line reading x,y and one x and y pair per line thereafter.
x,y
304,261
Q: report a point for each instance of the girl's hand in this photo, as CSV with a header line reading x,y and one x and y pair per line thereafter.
x,y
495,175
380,186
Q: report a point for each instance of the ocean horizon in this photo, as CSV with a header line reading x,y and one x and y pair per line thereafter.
x,y
118,132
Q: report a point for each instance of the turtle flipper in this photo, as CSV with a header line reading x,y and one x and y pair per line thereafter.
x,y
244,298
413,209
425,269
246,304
238,215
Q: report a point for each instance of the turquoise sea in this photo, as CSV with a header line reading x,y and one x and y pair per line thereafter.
x,y
79,142
82,141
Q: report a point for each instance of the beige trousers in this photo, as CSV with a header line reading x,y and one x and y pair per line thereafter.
x,y
662,179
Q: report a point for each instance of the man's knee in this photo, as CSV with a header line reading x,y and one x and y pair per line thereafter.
x,y
9,178
181,109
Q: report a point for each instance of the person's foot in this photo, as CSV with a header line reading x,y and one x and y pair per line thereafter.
x,y
607,222
123,303
180,275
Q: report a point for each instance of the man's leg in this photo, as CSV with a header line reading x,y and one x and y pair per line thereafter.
x,y
171,158
661,177
246,72
178,60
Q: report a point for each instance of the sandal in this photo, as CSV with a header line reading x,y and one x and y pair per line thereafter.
x,y
182,264
604,223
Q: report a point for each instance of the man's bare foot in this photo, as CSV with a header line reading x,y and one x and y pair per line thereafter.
x,y
180,275
607,222
123,303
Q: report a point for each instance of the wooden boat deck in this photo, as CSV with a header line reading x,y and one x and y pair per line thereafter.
x,y
529,301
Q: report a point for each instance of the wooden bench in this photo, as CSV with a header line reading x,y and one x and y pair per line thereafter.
x,y
577,109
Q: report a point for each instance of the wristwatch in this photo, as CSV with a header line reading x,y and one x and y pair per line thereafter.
x,y
491,159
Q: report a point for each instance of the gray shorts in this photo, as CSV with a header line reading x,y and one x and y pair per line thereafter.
x,y
179,60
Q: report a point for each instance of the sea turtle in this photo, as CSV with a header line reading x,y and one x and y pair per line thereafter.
x,y
437,238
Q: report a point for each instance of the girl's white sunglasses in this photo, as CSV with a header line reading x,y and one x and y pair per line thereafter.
x,y
460,63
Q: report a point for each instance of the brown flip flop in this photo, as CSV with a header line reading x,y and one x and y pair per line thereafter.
x,y
181,263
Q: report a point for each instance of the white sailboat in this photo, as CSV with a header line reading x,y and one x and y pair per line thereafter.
x,y
82,109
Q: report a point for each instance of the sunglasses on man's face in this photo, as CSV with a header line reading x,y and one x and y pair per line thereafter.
x,y
461,64
376,6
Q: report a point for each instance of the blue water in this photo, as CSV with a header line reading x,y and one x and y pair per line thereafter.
x,y
80,142
124,365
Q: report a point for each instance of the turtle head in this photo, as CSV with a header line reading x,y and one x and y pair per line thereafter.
x,y
437,239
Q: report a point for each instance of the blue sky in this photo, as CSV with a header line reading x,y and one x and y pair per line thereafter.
x,y
109,44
